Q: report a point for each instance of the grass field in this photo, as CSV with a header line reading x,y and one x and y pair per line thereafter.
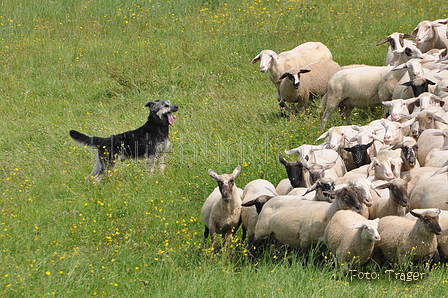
x,y
92,66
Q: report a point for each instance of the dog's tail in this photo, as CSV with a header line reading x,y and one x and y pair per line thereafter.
x,y
86,140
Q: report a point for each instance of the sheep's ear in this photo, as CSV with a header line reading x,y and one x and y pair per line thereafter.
x,y
415,31
356,127
401,66
282,160
292,151
429,82
409,122
284,76
256,59
322,136
386,103
213,174
304,70
397,146
438,211
407,177
405,35
236,172
418,215
357,226
440,119
440,171
376,220
387,39
383,186
313,187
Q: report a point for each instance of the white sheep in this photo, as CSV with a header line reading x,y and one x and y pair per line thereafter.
x,y
438,157
249,214
221,212
442,239
351,237
337,138
396,42
430,193
403,239
299,85
430,35
300,223
298,57
353,88
428,140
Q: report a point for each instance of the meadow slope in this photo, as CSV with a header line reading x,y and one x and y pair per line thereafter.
x,y
92,66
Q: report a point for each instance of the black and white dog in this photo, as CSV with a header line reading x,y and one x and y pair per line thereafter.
x,y
149,141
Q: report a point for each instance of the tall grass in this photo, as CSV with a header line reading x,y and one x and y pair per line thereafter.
x,y
92,66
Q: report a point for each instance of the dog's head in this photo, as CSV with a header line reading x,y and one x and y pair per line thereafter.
x,y
162,110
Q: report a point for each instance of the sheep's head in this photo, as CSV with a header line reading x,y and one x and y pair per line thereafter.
x,y
360,154
294,169
226,182
430,220
369,229
347,198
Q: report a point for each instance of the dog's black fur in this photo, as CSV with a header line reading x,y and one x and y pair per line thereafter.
x,y
149,141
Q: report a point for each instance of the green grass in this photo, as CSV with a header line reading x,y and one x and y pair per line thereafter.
x,y
92,66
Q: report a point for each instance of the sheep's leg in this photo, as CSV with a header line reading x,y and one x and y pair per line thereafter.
x,y
243,236
346,114
206,232
213,234
330,106
252,249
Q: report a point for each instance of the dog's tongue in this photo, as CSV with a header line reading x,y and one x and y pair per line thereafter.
x,y
170,118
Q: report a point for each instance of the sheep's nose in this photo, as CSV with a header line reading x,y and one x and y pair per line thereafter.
x,y
394,117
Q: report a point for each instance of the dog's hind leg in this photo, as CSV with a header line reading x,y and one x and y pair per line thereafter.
x,y
104,162
162,151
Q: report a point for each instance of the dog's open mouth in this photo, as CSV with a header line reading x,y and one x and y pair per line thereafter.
x,y
170,118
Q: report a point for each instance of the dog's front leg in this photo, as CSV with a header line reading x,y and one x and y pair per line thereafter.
x,y
150,161
162,155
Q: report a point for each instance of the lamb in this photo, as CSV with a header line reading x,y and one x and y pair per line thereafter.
x,y
396,42
351,237
393,199
298,57
442,239
300,223
352,88
221,212
403,239
249,214
297,89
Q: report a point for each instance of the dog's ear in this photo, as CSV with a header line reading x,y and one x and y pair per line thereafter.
x,y
150,105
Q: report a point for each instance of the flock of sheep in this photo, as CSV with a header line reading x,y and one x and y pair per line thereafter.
x,y
377,191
